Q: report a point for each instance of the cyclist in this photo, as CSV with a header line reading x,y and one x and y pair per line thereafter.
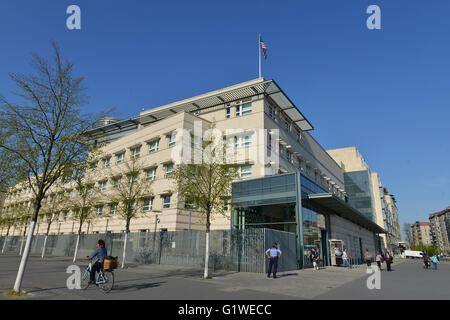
x,y
99,255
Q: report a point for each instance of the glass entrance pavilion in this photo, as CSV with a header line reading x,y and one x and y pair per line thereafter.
x,y
293,203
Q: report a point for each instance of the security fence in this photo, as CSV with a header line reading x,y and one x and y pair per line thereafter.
x,y
233,250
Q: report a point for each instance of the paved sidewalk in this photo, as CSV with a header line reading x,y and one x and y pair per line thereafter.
x,y
46,279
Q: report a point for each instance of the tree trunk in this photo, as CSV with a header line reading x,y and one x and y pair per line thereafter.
x,y
26,253
6,239
4,244
43,247
124,250
208,226
76,248
206,255
45,241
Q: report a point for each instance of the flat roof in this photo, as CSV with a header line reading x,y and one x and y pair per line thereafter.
x,y
267,87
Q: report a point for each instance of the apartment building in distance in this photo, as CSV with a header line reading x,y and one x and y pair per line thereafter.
x,y
421,233
293,183
366,193
440,230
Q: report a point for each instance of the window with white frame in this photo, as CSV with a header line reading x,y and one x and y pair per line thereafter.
x,y
112,209
287,125
298,135
136,152
119,157
151,174
99,211
148,204
238,110
172,138
153,146
106,163
103,186
133,179
242,141
166,201
244,171
246,107
169,170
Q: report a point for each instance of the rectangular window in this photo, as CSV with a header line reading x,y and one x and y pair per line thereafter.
x,y
242,141
238,110
103,186
151,174
246,108
136,152
153,146
99,211
119,158
287,126
148,204
169,170
228,112
166,201
133,179
106,163
272,112
297,135
113,209
245,171
116,183
172,139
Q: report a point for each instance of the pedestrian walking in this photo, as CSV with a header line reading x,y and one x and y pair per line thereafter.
x,y
389,259
273,254
315,259
368,258
346,259
435,260
338,254
379,260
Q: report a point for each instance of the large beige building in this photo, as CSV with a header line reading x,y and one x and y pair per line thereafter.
x,y
259,112
366,193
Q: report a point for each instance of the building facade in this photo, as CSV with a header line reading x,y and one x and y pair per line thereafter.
x,y
421,233
366,194
322,197
440,230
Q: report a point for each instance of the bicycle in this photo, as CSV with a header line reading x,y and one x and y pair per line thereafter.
x,y
104,279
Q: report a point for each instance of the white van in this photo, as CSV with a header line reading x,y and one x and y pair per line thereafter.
x,y
413,254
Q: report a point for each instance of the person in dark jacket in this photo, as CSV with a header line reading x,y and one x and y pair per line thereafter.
x,y
98,256
388,258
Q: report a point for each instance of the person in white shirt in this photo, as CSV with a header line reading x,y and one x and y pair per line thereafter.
x,y
345,257
273,254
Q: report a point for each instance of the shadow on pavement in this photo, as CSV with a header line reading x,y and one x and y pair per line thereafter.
x,y
137,286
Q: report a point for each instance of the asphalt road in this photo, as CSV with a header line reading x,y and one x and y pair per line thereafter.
x,y
46,279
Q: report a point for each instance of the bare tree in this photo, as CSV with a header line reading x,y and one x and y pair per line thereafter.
x,y
84,197
206,186
130,189
50,213
43,134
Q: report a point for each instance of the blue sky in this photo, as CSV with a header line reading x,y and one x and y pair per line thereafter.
x,y
385,91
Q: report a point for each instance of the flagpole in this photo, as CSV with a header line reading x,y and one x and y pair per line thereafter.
x,y
259,53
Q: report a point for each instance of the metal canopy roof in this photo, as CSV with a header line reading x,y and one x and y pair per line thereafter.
x,y
331,202
267,87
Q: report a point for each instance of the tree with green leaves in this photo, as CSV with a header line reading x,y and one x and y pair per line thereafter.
x,y
130,189
43,133
206,186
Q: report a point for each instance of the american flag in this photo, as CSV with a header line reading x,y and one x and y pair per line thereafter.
x,y
263,47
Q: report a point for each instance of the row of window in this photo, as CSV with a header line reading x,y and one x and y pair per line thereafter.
x,y
241,108
286,124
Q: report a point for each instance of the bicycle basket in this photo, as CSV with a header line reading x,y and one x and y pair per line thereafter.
x,y
110,263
